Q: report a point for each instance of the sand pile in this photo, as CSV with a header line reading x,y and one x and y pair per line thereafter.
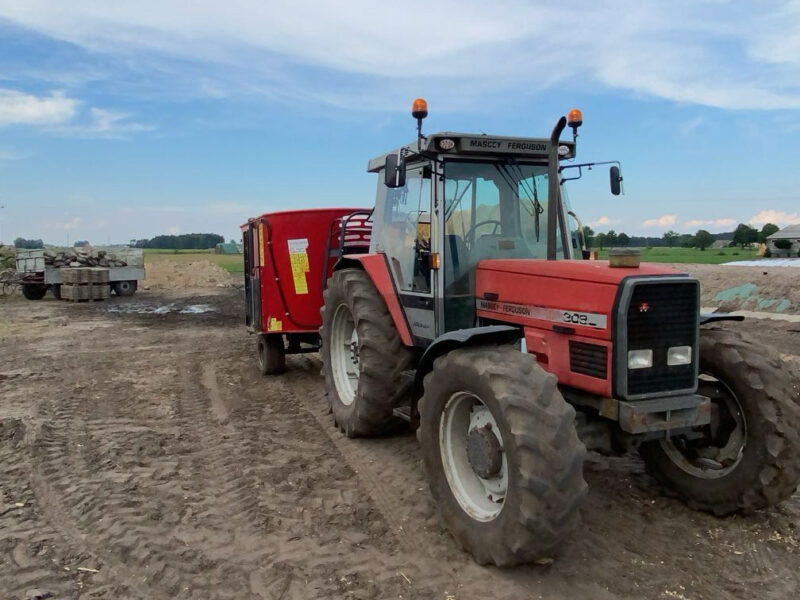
x,y
166,275
768,289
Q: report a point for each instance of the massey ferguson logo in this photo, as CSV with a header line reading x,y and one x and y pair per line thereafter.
x,y
644,307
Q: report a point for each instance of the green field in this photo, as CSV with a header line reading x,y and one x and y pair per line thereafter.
x,y
233,263
691,255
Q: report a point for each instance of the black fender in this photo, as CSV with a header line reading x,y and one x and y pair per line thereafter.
x,y
475,336
706,318
347,262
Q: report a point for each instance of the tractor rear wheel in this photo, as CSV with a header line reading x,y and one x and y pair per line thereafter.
x,y
34,291
363,356
501,454
749,456
271,354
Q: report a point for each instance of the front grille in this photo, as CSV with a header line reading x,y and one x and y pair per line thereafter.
x,y
661,315
588,359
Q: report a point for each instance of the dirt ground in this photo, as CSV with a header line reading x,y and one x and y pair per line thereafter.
x,y
731,288
142,456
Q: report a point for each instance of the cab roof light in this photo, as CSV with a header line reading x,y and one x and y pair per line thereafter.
x,y
575,120
419,110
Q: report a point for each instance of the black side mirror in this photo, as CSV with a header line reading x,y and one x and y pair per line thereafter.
x,y
616,180
394,172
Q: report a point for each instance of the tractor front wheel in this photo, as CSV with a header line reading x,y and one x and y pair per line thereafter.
x,y
501,454
363,356
749,456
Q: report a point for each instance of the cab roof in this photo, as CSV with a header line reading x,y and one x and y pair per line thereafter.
x,y
451,143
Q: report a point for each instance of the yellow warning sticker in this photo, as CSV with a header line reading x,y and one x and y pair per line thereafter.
x,y
274,324
298,256
261,261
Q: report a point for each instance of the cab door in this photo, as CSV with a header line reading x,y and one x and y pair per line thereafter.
x,y
405,239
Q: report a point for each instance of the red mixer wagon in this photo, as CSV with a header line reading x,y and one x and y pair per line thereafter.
x,y
288,258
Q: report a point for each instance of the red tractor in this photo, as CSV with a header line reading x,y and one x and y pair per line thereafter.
x,y
472,311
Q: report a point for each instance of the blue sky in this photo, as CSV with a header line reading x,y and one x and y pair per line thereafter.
x,y
128,120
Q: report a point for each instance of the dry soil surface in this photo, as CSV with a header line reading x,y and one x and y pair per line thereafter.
x,y
731,288
142,456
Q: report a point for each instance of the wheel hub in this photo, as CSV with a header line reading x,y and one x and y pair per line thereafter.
x,y
354,349
484,452
473,457
344,354
719,450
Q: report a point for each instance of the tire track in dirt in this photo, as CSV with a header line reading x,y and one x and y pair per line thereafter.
x,y
27,544
310,510
102,485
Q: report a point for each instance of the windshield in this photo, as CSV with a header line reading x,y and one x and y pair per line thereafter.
x,y
494,209
498,209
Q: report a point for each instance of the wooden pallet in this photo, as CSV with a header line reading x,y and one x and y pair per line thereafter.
x,y
85,292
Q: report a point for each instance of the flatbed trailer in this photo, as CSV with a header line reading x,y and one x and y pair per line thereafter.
x,y
36,277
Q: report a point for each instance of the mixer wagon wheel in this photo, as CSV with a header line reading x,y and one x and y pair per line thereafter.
x,y
501,454
271,354
749,456
363,356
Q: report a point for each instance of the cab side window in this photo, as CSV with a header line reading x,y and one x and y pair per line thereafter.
x,y
406,231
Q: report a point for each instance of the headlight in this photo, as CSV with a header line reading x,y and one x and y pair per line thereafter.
x,y
640,359
679,355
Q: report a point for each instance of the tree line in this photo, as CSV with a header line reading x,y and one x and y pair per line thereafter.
x,y
743,236
185,241
28,244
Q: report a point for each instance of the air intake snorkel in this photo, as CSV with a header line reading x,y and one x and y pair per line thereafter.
x,y
553,191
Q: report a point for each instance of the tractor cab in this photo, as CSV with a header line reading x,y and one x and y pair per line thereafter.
x,y
477,197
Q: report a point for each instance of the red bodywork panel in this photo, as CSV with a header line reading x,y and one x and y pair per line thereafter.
x,y
292,263
375,265
575,296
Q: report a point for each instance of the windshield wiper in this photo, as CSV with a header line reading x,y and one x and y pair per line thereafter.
x,y
532,196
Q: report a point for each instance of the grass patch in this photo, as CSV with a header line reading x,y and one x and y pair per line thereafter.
x,y
692,255
233,263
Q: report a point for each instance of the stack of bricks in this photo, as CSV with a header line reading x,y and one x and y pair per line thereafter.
x,y
83,284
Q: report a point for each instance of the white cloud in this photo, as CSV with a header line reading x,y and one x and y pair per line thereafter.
x,y
19,108
716,223
67,224
730,55
11,154
778,217
60,114
103,123
603,221
662,221
174,230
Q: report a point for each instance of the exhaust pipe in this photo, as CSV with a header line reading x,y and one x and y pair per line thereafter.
x,y
553,191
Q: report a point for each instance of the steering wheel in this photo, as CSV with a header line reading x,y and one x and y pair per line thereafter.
x,y
468,235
